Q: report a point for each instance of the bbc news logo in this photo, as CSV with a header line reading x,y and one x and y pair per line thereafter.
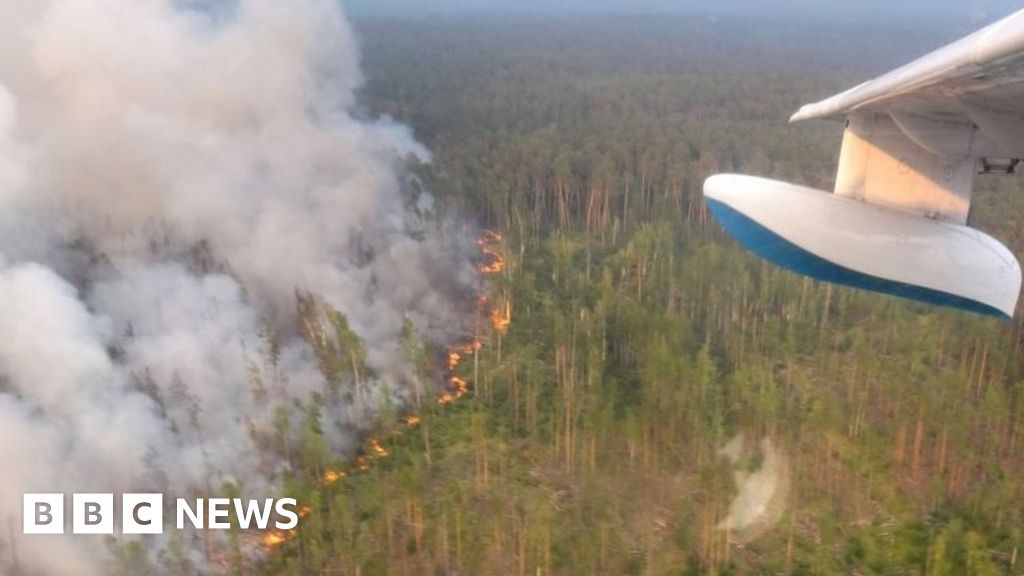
x,y
144,513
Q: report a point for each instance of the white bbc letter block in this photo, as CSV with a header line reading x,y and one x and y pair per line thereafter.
x,y
92,514
218,508
43,513
142,514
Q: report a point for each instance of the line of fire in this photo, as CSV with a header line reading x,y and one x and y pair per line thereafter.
x,y
499,313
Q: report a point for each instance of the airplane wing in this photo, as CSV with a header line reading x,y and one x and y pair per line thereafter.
x,y
897,220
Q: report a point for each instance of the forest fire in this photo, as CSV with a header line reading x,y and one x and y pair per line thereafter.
x,y
453,360
495,261
473,346
501,317
275,538
332,476
375,448
458,389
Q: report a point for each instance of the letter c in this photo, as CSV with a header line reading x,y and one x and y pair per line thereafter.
x,y
135,514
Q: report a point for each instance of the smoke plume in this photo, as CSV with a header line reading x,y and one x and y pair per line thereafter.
x,y
761,473
174,177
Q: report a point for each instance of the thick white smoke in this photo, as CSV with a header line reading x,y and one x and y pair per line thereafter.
x,y
171,176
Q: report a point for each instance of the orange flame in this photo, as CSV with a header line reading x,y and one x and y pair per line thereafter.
x,y
377,449
460,385
277,537
501,319
495,261
332,476
455,356
453,360
458,389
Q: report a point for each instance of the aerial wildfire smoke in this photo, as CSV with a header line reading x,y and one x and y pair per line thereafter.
x,y
761,473
189,205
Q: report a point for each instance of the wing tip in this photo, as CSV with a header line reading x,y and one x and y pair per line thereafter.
x,y
806,112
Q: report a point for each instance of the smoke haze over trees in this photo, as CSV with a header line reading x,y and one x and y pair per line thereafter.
x,y
195,225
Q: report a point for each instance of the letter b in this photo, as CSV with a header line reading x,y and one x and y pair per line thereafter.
x,y
43,513
93,513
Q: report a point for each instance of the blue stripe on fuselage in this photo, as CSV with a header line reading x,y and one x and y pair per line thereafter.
x,y
778,250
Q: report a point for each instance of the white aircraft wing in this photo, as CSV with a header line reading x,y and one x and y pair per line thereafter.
x,y
985,69
897,220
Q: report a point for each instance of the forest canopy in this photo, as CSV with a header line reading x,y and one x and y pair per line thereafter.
x,y
596,435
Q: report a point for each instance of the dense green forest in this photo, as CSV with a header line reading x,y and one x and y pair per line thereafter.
x,y
643,340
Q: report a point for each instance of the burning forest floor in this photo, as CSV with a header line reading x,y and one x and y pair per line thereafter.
x,y
494,317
